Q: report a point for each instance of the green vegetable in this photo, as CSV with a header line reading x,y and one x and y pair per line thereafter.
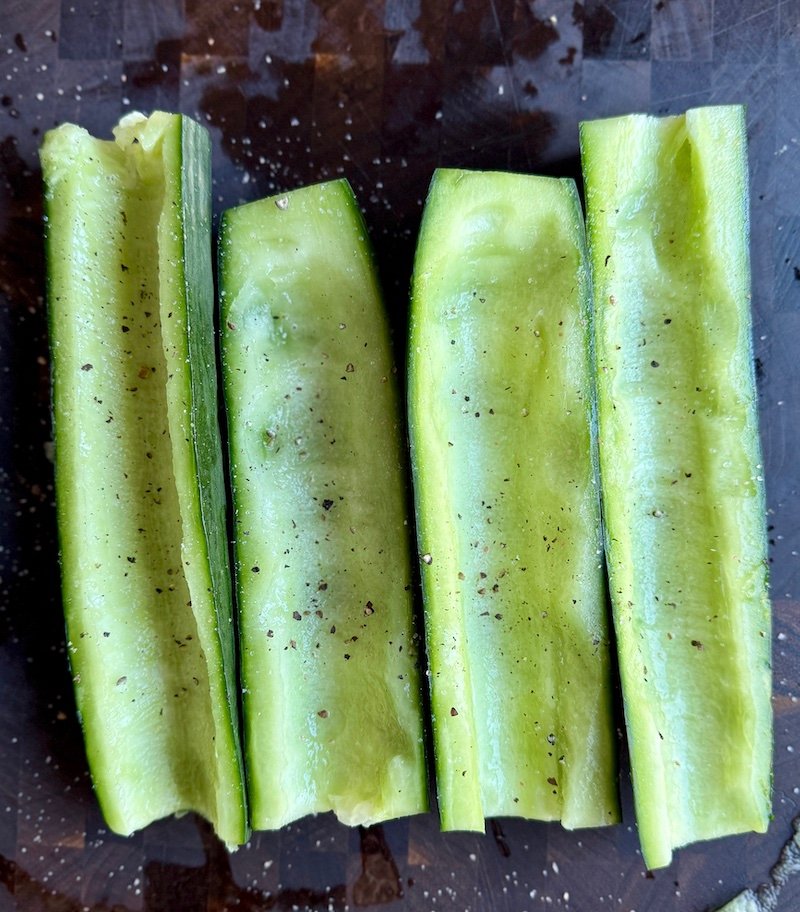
x,y
681,469
501,419
746,901
331,692
139,481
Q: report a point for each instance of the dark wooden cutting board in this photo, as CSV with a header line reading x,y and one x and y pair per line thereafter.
x,y
381,92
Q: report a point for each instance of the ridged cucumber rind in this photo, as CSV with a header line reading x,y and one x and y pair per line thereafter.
x,y
196,414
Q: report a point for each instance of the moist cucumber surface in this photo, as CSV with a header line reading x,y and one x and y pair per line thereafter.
x,y
683,492
332,710
508,516
139,484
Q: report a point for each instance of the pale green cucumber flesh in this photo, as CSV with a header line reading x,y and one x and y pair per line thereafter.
x,y
331,692
681,469
508,515
140,492
746,901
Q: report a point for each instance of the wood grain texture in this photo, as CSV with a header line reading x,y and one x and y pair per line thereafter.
x,y
382,92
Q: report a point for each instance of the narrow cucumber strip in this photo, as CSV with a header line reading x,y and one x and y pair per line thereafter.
x,y
140,491
508,514
331,691
681,469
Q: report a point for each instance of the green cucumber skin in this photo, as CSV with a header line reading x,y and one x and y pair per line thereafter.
x,y
139,484
332,708
501,419
682,490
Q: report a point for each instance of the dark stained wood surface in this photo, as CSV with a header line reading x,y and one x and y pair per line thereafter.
x,y
381,91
